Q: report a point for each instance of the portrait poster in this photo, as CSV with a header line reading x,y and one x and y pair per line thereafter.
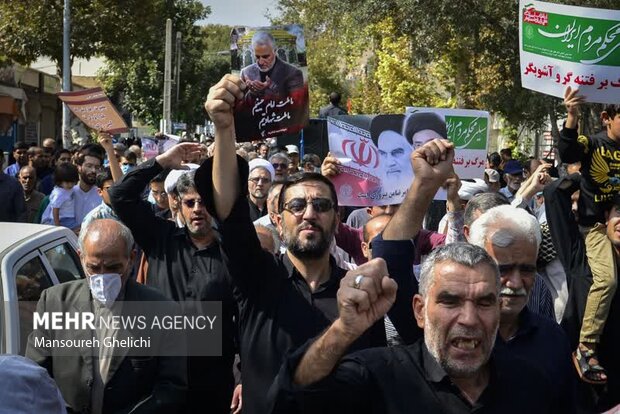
x,y
374,151
95,110
152,147
272,63
572,46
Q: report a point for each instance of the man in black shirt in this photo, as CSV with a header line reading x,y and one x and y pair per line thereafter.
x,y
261,176
333,108
453,370
184,264
283,301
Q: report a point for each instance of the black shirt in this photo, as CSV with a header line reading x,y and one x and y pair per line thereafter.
x,y
182,272
600,169
277,310
407,379
542,342
255,212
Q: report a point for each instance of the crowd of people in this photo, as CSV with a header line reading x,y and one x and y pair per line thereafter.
x,y
506,305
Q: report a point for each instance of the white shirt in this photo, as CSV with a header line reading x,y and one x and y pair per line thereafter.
x,y
85,202
64,201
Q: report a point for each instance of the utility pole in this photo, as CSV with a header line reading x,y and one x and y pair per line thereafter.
x,y
167,78
177,76
66,72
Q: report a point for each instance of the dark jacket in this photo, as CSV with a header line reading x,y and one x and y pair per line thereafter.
x,y
135,384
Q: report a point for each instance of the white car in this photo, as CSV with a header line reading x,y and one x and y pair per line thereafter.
x,y
33,257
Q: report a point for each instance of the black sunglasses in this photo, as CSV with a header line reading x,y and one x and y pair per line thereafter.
x,y
277,165
297,206
192,202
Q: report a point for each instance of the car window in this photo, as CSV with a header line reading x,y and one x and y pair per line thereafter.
x,y
30,280
65,262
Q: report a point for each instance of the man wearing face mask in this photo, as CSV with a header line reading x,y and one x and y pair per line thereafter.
x,y
98,379
183,263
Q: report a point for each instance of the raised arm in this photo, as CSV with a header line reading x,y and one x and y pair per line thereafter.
x,y
362,300
432,165
569,147
105,140
220,105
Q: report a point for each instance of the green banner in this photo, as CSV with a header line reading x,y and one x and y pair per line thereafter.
x,y
571,38
467,132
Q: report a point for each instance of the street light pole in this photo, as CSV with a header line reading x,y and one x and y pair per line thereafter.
x,y
66,72
167,78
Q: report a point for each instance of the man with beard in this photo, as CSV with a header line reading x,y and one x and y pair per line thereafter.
x,y
513,174
89,162
512,237
259,183
454,369
283,301
40,160
184,264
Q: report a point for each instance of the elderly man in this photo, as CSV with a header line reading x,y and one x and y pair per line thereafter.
x,y
184,264
259,183
454,369
49,145
512,237
28,179
280,162
97,380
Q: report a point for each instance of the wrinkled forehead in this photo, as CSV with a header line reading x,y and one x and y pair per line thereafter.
x,y
260,172
464,281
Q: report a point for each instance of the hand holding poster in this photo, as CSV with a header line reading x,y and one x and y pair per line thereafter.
x,y
570,46
272,63
374,151
95,110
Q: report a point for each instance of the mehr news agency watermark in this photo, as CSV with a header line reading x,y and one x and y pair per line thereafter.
x,y
131,328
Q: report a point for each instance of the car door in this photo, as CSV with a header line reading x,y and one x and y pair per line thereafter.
x,y
47,265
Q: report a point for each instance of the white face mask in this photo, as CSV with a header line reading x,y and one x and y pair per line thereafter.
x,y
105,287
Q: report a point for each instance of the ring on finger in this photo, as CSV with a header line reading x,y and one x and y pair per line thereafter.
x,y
358,281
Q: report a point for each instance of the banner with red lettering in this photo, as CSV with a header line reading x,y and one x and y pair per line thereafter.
x,y
572,46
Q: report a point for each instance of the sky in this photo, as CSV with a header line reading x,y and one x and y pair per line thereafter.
x,y
239,12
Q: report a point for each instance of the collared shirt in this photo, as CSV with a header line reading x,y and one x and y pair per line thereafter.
x,y
181,272
407,379
12,196
277,309
506,192
255,212
542,342
12,170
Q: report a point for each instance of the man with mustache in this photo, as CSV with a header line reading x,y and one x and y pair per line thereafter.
x,y
282,301
512,237
454,369
89,162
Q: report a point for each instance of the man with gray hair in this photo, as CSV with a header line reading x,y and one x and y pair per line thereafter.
x,y
454,368
183,263
270,76
101,378
512,237
280,162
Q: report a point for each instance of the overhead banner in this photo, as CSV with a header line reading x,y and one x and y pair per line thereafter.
x,y
95,110
272,63
572,46
374,151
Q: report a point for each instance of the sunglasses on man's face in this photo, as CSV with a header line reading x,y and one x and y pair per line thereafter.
x,y
298,206
278,165
192,202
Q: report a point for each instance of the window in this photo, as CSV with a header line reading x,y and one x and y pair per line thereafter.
x,y
65,263
30,280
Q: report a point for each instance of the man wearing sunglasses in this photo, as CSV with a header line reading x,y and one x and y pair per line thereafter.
x,y
184,264
286,300
280,162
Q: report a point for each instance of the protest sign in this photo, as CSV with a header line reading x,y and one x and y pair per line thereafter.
x,y
572,46
272,63
95,110
374,151
152,147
